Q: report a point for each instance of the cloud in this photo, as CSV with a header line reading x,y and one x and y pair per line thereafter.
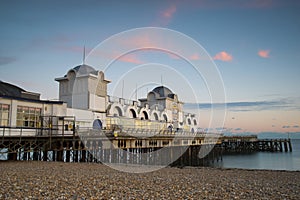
x,y
4,60
140,40
114,56
264,53
223,56
169,12
195,56
287,126
173,56
130,58
165,16
245,106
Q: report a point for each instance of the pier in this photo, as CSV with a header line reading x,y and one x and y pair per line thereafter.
x,y
248,144
134,146
130,146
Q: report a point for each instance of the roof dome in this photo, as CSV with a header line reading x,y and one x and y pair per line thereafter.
x,y
84,69
163,92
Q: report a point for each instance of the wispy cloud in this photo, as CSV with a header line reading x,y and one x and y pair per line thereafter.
x,y
130,58
141,40
223,56
169,12
195,56
288,104
4,60
165,16
264,53
173,56
116,56
288,126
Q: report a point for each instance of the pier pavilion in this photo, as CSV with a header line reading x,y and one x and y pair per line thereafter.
x,y
86,121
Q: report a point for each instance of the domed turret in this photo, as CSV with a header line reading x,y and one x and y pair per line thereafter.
x,y
84,69
163,92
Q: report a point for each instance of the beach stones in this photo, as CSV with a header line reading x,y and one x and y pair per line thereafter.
x,y
78,181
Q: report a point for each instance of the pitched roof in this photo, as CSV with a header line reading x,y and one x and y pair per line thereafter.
x,y
10,90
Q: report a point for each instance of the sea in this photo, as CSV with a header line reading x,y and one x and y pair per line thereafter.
x,y
289,161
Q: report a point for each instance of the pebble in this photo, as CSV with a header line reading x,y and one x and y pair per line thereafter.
x,y
79,181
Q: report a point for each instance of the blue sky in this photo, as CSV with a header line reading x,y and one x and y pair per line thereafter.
x,y
255,45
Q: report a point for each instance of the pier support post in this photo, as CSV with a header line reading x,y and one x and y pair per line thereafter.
x,y
290,145
68,153
285,146
12,156
45,153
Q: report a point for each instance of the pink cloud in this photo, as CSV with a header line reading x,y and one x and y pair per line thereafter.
x,y
130,58
195,56
223,56
165,16
264,53
173,56
169,12
139,40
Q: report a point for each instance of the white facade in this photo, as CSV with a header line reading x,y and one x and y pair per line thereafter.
x,y
84,103
84,88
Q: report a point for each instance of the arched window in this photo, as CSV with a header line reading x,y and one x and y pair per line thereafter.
x,y
165,117
155,116
132,113
151,97
195,122
117,111
97,124
144,116
189,121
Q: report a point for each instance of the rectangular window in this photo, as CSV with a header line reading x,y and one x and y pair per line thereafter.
x,y
28,117
4,114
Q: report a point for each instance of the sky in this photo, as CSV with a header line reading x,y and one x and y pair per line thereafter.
x,y
254,45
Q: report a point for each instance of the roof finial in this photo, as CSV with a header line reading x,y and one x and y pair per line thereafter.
x,y
83,60
136,90
123,90
161,80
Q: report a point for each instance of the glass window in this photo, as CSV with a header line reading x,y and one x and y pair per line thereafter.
x,y
4,114
28,117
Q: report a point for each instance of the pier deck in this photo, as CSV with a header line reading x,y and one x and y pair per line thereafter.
x,y
134,146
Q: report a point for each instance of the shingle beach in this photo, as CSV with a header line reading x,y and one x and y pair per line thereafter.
x,y
55,180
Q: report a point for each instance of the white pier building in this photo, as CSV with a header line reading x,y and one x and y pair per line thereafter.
x,y
85,103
